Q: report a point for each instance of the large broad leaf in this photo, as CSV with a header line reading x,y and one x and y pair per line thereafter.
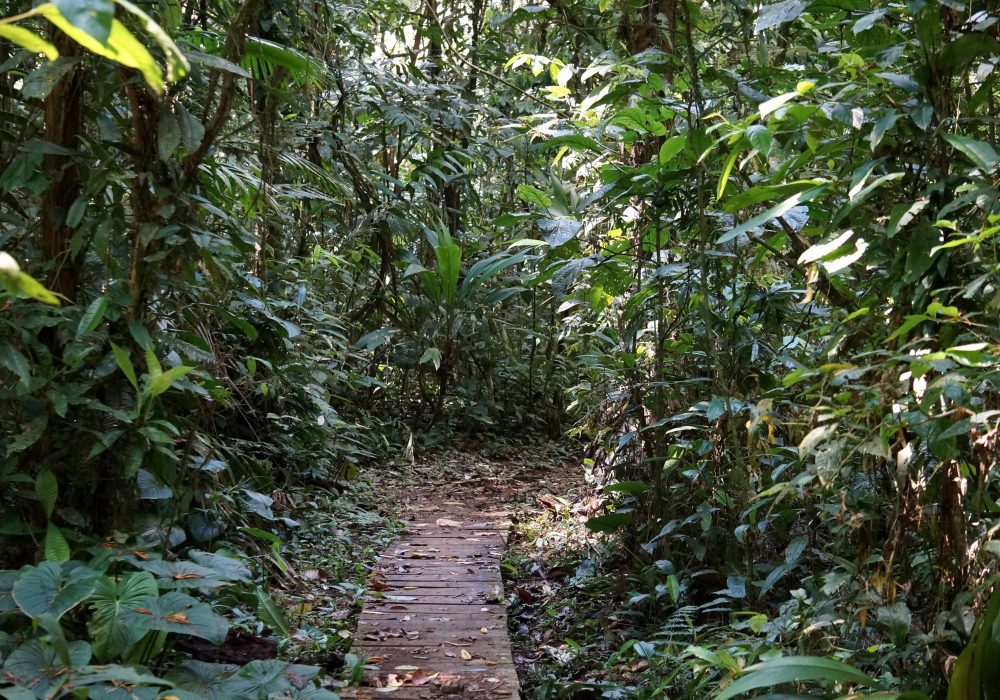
x,y
180,613
772,213
28,40
38,667
609,522
184,574
969,678
449,260
559,230
778,13
112,600
53,589
115,682
261,57
229,568
793,669
264,678
119,46
92,17
177,63
979,152
202,679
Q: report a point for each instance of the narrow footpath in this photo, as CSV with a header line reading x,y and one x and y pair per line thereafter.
x,y
434,621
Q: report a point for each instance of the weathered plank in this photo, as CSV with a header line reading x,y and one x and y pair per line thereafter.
x,y
434,622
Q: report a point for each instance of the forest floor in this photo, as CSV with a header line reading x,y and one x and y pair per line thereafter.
x,y
550,556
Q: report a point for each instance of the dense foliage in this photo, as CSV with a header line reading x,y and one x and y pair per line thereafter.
x,y
746,253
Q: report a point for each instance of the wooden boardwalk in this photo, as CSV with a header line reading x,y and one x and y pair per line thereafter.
x,y
434,622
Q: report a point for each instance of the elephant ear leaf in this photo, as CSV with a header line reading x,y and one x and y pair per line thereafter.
x,y
113,629
38,667
180,613
53,589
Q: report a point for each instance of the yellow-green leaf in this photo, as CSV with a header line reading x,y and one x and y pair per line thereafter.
x,y
28,40
177,63
121,46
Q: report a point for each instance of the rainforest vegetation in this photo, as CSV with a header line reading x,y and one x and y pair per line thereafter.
x,y
736,262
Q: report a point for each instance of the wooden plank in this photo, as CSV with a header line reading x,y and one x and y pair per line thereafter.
x,y
434,620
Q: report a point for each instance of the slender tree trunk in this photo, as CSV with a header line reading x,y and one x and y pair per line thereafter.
x,y
63,127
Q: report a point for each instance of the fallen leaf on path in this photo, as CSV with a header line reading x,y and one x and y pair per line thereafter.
x,y
465,655
447,522
420,677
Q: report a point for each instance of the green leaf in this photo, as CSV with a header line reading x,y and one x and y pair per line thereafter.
x,y
762,193
533,195
90,16
979,152
202,680
760,138
609,522
33,289
966,48
93,316
112,600
431,355
449,260
16,363
269,677
28,40
224,567
919,257
897,619
125,365
184,574
819,251
270,614
559,230
38,667
152,363
670,148
50,588
629,487
7,579
775,103
163,381
262,56
778,13
47,491
968,674
772,213
56,547
177,63
793,669
632,118
180,613
119,46
578,141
